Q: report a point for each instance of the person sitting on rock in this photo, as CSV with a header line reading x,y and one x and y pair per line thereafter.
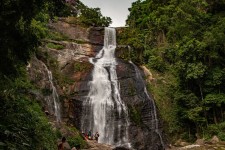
x,y
61,146
89,135
96,136
64,145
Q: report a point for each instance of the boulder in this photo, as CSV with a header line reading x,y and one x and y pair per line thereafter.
x,y
215,139
200,142
181,142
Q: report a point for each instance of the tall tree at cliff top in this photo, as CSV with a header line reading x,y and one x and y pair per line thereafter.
x,y
186,39
92,16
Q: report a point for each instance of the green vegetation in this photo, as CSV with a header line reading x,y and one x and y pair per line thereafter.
x,y
61,79
55,46
161,88
81,66
216,129
183,41
135,115
89,17
93,16
75,139
23,124
56,36
23,23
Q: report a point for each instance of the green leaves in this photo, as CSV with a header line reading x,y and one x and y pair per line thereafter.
x,y
17,40
217,99
195,70
194,114
23,125
216,77
92,16
186,39
135,115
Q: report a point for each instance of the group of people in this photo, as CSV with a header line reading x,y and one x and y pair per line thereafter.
x,y
90,136
87,136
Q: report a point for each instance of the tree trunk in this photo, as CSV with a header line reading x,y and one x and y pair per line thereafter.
x,y
221,111
205,113
214,116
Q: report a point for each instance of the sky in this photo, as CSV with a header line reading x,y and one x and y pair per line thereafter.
x,y
117,10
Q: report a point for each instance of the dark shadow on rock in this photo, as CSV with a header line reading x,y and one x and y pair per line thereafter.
x,y
121,148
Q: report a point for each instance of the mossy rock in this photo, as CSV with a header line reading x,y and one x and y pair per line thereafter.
x,y
135,114
55,46
81,66
53,35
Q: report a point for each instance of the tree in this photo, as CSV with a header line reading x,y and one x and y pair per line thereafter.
x,y
92,16
186,39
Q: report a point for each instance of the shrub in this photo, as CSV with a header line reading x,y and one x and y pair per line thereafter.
x,y
77,141
135,114
23,124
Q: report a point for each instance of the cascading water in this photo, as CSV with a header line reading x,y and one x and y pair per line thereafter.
x,y
103,110
53,99
152,114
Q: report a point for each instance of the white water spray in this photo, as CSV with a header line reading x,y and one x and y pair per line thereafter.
x,y
53,100
103,110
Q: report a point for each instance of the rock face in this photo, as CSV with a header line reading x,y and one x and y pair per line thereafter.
x,y
92,35
72,72
144,133
45,91
97,146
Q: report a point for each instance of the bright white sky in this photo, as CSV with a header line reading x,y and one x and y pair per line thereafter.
x,y
117,10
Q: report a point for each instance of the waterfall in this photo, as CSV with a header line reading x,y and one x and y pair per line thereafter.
x,y
53,99
151,103
103,109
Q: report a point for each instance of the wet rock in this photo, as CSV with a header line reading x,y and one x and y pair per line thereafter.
x,y
122,51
